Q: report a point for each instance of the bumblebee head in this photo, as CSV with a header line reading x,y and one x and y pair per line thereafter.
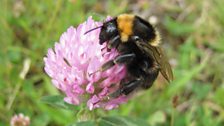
x,y
108,30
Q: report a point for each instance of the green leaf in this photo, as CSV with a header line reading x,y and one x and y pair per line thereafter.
x,y
157,118
121,121
201,90
178,28
41,120
84,123
218,46
219,95
180,83
57,101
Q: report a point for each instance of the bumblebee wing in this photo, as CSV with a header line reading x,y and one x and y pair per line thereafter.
x,y
164,64
158,55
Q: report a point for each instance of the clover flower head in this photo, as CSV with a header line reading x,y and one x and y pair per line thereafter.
x,y
72,66
20,120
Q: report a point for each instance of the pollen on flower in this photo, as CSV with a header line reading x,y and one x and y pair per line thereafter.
x,y
72,66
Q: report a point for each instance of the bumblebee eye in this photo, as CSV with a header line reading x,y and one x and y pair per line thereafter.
x,y
110,28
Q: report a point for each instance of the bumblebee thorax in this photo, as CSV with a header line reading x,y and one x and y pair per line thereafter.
x,y
125,26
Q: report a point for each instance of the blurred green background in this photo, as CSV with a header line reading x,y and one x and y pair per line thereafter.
x,y
193,37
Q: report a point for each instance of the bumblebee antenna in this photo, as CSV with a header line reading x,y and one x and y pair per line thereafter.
x,y
93,29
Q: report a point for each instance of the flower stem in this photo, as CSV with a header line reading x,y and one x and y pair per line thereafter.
x,y
22,76
83,115
172,117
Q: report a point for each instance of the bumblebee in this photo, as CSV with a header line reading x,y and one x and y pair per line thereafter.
x,y
137,42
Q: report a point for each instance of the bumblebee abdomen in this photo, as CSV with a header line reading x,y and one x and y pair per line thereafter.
x,y
143,29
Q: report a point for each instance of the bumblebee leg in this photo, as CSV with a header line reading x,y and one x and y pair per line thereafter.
x,y
130,86
107,65
152,74
125,58
127,88
113,43
121,59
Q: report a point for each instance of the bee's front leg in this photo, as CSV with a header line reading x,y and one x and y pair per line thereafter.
x,y
114,42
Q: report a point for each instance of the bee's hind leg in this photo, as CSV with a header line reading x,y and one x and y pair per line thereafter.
x,y
128,87
151,74
121,59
